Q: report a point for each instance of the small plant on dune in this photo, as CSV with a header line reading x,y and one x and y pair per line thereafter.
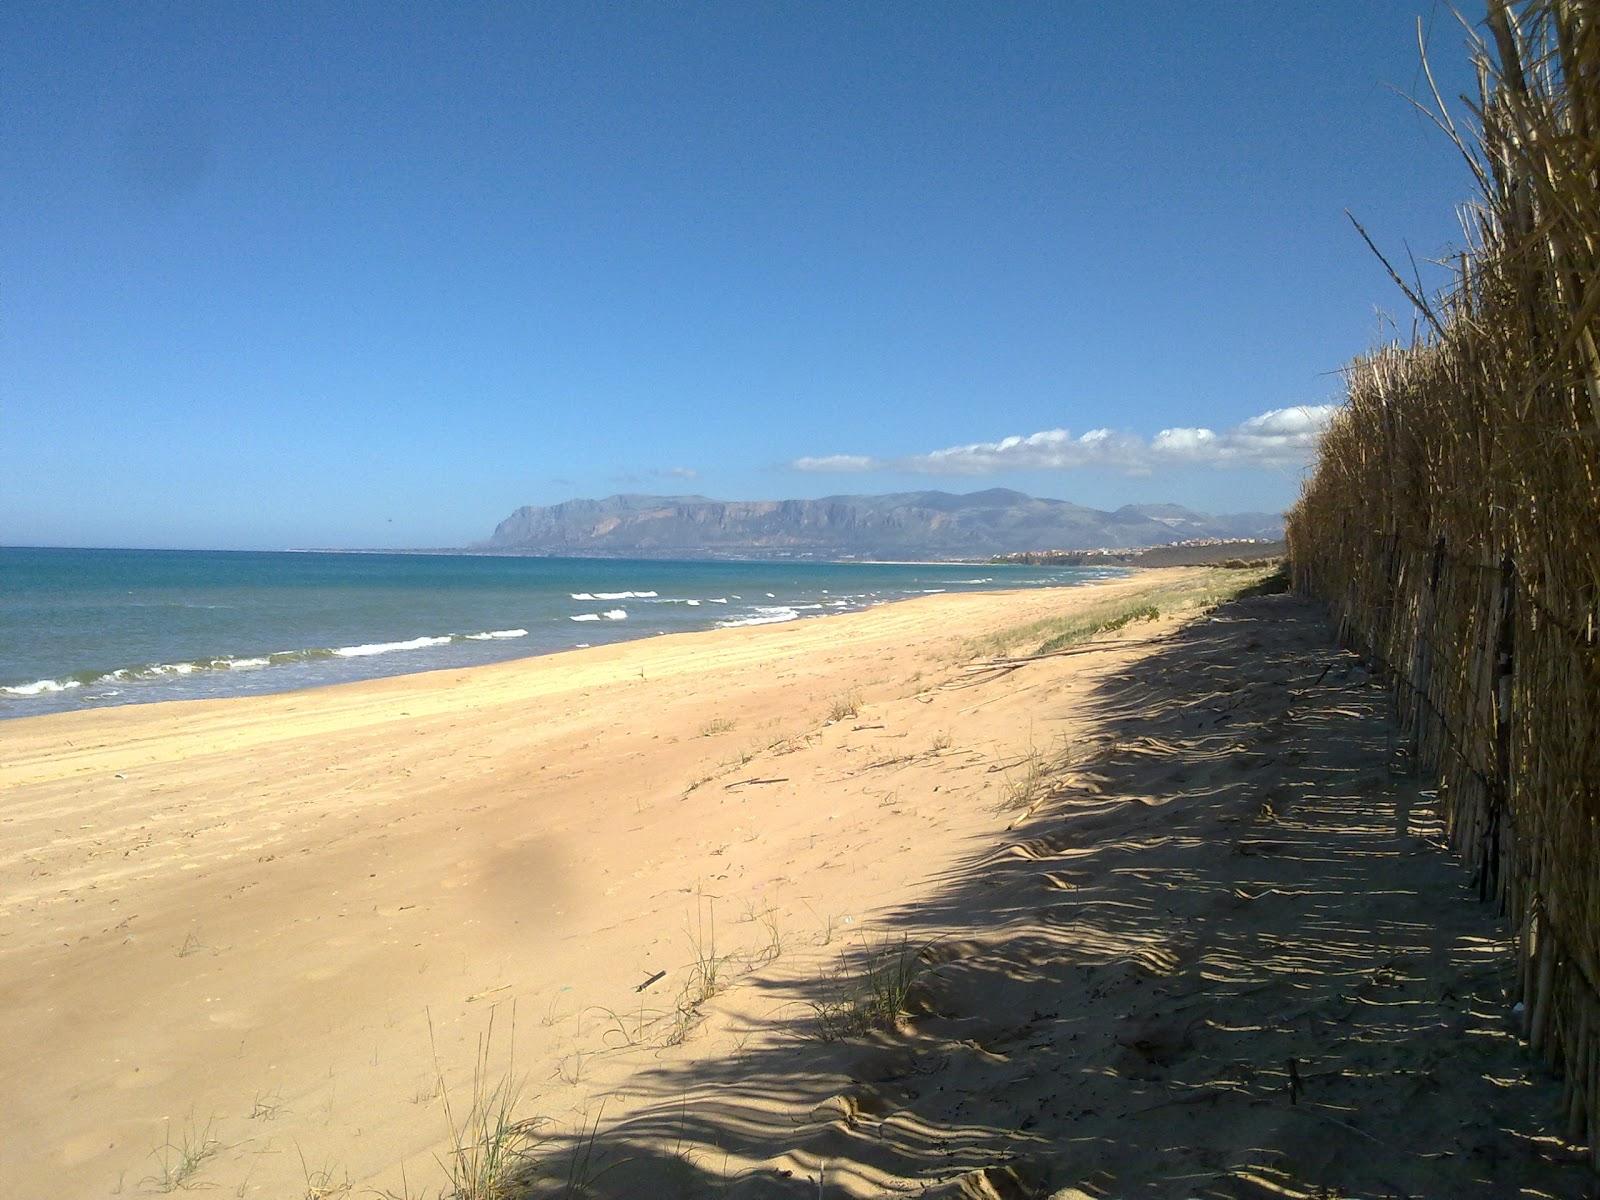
x,y
868,993
267,1106
1026,782
715,726
569,1070
580,1167
768,920
405,1192
844,707
620,1033
177,1162
941,741
775,938
321,1183
704,977
705,971
489,1146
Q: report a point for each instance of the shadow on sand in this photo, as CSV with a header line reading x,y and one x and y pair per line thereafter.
x,y
1228,957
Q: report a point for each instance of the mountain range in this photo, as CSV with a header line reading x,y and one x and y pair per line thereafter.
x,y
906,525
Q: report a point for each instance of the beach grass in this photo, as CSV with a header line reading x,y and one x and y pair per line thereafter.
x,y
868,991
177,1162
844,707
1026,783
1200,589
322,1183
490,1146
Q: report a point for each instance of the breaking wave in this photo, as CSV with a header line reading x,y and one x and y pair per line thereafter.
x,y
227,662
765,615
39,687
419,643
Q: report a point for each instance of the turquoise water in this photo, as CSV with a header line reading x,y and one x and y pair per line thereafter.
x,y
88,628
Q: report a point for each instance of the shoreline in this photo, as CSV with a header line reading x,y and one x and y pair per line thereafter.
x,y
222,905
615,659
248,666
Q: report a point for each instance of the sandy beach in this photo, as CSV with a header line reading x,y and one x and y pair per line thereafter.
x,y
252,945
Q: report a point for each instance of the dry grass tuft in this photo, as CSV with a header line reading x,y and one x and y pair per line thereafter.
x,y
868,991
1026,782
490,1147
844,707
178,1162
706,974
321,1183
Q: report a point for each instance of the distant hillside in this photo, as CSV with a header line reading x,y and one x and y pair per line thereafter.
x,y
907,525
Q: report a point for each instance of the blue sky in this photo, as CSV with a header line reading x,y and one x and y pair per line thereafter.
x,y
370,275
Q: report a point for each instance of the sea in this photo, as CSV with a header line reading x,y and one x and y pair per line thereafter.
x,y
91,628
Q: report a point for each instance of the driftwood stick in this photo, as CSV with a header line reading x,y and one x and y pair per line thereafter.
x,y
656,978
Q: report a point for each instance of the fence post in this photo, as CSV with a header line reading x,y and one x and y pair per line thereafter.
x,y
1504,665
1422,732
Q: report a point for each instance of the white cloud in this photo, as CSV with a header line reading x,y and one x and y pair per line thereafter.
x,y
837,462
683,473
1284,437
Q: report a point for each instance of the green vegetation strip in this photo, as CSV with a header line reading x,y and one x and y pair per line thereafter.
x,y
1202,589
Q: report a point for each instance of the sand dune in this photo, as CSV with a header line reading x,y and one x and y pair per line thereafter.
x,y
227,927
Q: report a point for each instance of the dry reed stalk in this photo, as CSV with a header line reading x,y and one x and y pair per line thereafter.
x,y
1453,520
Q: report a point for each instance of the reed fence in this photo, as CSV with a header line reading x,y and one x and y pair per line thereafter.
x,y
1453,521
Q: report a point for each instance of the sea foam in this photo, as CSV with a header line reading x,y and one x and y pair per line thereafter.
x,y
764,615
39,687
370,648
